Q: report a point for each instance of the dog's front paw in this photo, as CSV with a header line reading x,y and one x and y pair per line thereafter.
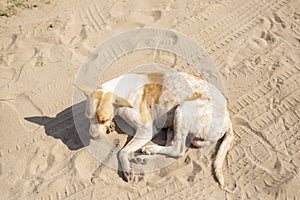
x,y
128,175
111,128
150,149
134,178
127,171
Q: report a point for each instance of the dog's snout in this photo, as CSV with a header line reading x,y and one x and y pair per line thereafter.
x,y
95,132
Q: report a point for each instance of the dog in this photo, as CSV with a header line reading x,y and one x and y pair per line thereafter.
x,y
191,108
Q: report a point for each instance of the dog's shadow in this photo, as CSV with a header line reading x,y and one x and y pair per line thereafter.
x,y
72,128
63,127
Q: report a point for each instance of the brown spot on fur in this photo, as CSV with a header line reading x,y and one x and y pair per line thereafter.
x,y
196,95
151,95
105,109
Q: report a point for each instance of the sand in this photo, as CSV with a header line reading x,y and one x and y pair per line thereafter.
x,y
255,46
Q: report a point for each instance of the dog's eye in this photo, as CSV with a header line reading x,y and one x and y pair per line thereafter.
x,y
103,121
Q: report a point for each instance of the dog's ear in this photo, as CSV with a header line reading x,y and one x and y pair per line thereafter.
x,y
84,89
121,102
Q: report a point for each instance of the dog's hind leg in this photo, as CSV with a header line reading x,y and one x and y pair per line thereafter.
x,y
141,137
178,146
177,149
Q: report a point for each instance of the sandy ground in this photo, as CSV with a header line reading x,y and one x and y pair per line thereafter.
x,y
255,46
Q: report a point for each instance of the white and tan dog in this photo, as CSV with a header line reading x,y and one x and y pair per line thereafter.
x,y
189,106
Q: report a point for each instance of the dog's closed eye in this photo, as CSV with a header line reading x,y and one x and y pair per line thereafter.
x,y
102,121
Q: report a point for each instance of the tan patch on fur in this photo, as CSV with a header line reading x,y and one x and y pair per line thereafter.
x,y
98,97
151,95
104,111
196,95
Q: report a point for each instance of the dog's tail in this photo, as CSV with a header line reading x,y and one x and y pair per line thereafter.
x,y
221,154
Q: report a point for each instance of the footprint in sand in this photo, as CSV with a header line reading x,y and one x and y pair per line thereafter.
x,y
136,13
37,165
196,169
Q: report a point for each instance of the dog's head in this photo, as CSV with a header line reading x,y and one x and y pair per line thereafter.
x,y
101,107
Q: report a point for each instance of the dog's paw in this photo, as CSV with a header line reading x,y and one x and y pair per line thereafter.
x,y
129,176
150,149
111,128
139,159
134,178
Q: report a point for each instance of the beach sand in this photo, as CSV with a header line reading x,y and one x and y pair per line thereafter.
x,y
255,46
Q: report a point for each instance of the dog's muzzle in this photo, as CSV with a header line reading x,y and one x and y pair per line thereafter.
x,y
95,132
